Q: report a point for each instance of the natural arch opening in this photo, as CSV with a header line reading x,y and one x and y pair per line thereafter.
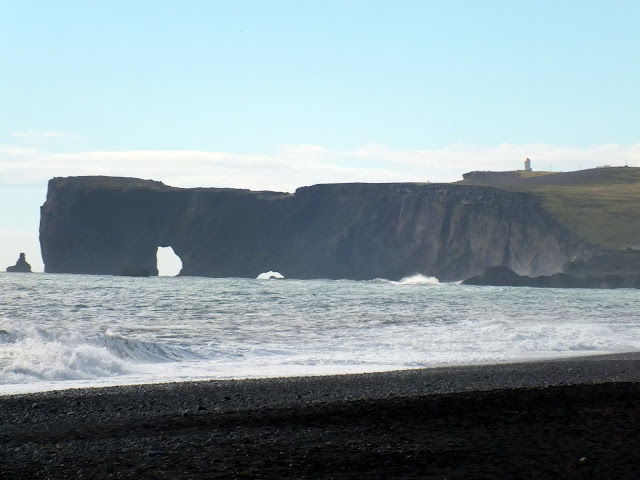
x,y
169,264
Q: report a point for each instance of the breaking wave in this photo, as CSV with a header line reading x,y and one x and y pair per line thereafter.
x,y
418,279
69,331
34,354
269,275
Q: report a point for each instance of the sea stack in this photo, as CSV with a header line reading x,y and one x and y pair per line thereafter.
x,y
21,265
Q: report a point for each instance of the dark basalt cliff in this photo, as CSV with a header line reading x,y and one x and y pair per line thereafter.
x,y
106,225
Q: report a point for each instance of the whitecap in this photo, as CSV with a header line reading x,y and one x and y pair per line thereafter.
x,y
270,275
418,279
31,354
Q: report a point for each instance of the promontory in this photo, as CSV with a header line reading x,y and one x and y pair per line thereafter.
x,y
535,223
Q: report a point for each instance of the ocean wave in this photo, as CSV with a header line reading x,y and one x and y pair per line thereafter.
x,y
270,275
35,354
418,279
143,351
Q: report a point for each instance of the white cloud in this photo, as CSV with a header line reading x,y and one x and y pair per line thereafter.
x,y
17,150
39,134
304,151
293,166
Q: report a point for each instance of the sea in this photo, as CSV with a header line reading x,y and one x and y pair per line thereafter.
x,y
60,331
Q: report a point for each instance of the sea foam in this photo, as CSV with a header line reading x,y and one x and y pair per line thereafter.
x,y
418,279
269,275
35,354
67,331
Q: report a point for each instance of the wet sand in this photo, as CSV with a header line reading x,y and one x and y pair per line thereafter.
x,y
574,418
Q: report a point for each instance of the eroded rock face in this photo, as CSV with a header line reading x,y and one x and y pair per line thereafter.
x,y
21,265
103,225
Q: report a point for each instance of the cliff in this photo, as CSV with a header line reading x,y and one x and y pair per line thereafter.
x,y
601,205
106,225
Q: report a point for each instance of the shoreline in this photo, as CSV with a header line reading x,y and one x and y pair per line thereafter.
x,y
568,418
551,369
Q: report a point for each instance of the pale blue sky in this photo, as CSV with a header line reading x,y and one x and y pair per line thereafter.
x,y
280,94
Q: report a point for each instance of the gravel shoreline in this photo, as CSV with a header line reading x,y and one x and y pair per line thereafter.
x,y
570,418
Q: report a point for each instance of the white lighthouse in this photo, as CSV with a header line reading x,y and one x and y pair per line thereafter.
x,y
527,165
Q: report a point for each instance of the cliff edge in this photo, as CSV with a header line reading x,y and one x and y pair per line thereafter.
x,y
106,225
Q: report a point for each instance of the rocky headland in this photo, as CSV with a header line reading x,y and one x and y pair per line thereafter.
x,y
110,225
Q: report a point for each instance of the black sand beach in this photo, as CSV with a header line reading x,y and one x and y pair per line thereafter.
x,y
575,418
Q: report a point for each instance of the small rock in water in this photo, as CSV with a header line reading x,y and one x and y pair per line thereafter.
x,y
133,272
21,265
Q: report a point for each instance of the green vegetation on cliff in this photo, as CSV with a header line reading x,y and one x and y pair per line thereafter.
x,y
601,205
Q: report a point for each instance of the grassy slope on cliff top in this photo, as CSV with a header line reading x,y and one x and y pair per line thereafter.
x,y
602,205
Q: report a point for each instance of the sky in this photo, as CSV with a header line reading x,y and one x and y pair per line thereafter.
x,y
274,95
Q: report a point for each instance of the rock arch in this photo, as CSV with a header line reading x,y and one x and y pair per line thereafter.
x,y
169,264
